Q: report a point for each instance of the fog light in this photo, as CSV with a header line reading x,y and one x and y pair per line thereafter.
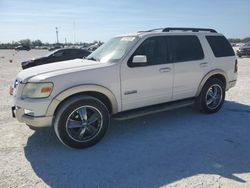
x,y
29,112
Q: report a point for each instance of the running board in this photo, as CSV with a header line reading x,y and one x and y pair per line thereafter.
x,y
153,109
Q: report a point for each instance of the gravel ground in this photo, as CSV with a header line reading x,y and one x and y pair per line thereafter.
x,y
179,148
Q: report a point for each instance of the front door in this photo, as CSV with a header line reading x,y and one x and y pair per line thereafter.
x,y
149,83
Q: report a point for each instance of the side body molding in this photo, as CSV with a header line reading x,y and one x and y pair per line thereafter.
x,y
80,89
208,75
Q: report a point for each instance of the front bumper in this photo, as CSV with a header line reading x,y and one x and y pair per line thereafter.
x,y
35,121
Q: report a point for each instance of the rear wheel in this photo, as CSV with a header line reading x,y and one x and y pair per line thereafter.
x,y
81,122
212,96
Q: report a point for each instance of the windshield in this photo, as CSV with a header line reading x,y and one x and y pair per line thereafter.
x,y
113,50
51,53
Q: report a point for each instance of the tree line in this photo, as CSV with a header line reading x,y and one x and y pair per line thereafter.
x,y
39,44
238,40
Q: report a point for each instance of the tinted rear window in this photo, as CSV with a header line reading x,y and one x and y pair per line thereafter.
x,y
185,48
220,46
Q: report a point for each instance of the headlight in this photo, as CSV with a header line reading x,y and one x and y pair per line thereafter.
x,y
37,90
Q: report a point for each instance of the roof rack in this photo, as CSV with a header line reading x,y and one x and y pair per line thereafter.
x,y
157,29
168,29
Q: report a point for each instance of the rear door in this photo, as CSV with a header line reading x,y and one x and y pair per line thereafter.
x,y
190,64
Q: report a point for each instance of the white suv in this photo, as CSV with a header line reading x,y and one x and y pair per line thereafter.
x,y
129,76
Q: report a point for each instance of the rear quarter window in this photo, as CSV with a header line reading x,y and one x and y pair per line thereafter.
x,y
220,46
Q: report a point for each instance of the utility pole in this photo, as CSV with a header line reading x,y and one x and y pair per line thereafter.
x,y
74,30
57,41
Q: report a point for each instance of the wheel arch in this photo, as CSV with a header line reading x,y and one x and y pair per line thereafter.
x,y
99,92
217,73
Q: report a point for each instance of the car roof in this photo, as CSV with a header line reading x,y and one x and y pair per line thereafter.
x,y
69,49
172,31
164,34
64,49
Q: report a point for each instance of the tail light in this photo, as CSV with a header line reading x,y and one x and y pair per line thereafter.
x,y
236,66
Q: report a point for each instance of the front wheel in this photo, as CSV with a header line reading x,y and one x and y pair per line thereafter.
x,y
212,96
81,121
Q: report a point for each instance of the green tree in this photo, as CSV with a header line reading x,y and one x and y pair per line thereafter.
x,y
245,40
37,43
25,42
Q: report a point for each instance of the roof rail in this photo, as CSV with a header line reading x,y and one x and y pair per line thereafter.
x,y
157,29
168,29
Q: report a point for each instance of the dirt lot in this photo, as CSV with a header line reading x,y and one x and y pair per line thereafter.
x,y
180,148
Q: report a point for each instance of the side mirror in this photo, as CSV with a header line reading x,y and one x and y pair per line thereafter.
x,y
139,59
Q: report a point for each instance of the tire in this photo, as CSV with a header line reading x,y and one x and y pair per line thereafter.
x,y
75,125
203,102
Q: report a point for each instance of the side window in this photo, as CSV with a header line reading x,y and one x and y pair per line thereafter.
x,y
185,48
154,48
220,46
72,53
58,54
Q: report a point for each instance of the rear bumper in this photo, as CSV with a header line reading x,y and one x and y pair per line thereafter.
x,y
39,121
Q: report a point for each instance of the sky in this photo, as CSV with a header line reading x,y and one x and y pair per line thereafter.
x,y
89,20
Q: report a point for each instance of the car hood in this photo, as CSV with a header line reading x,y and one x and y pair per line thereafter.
x,y
62,67
34,59
39,58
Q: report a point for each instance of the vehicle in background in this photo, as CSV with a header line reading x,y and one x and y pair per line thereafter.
x,y
55,56
54,48
244,50
233,44
20,47
94,47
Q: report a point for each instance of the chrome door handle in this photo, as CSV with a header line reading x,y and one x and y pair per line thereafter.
x,y
166,69
205,64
